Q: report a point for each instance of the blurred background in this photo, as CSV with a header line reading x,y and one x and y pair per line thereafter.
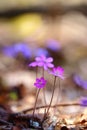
x,y
29,28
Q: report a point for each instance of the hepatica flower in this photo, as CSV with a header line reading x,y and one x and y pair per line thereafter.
x,y
80,82
8,51
53,45
83,101
23,49
42,61
40,51
58,72
16,49
77,79
40,83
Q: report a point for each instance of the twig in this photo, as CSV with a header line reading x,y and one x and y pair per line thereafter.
x,y
57,105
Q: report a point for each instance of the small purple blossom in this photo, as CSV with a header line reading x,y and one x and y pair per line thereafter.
x,y
58,72
42,61
80,82
77,79
33,64
8,51
53,45
84,85
40,51
18,48
40,83
23,49
83,101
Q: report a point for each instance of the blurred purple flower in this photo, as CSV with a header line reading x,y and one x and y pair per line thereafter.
x,y
41,51
53,45
42,61
33,64
77,79
83,101
84,85
80,82
14,50
23,49
40,83
58,72
9,51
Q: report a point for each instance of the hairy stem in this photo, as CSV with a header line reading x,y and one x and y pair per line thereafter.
x,y
36,101
59,92
43,72
36,70
44,94
52,95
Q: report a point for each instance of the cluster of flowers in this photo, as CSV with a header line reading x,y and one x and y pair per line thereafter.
x,y
58,71
27,52
24,49
47,65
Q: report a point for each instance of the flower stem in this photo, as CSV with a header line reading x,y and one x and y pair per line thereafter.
x,y
52,95
36,70
36,101
58,96
44,96
43,72
44,92
59,92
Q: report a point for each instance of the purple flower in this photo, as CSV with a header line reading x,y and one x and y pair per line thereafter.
x,y
40,83
16,49
58,72
41,51
84,85
77,79
83,101
33,64
23,49
8,51
42,61
53,45
80,82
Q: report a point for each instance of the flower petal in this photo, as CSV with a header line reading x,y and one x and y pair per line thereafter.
x,y
37,80
50,59
35,84
40,64
84,84
43,57
33,64
45,67
61,76
54,70
42,78
50,65
60,69
83,101
38,59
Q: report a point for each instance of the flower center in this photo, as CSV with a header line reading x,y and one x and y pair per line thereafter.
x,y
41,83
